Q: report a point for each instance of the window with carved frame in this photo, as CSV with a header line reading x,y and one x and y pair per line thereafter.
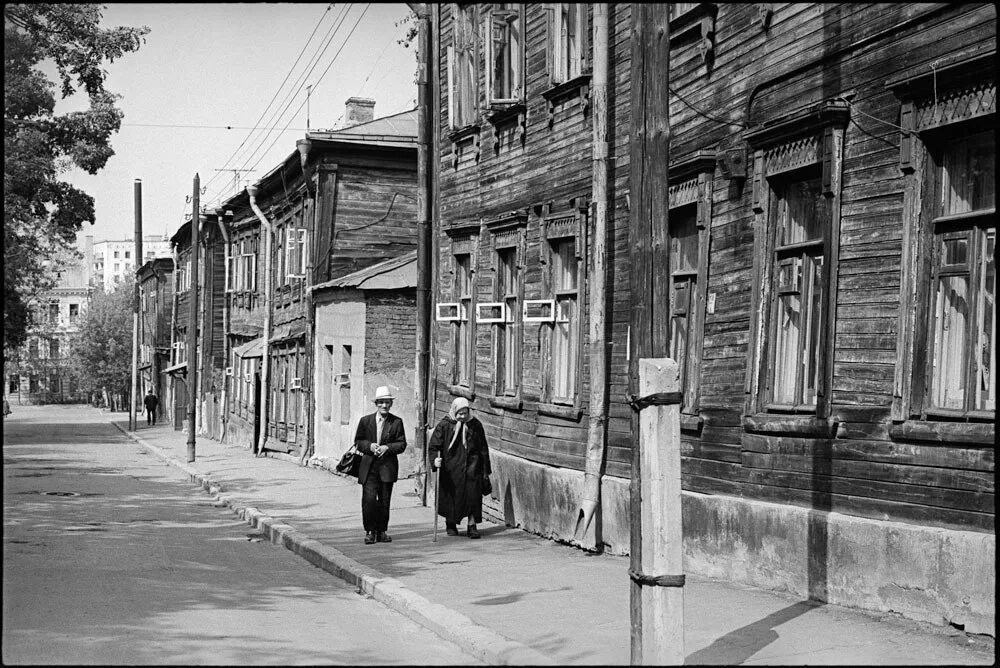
x,y
508,251
505,54
796,202
689,223
463,252
463,55
563,248
945,384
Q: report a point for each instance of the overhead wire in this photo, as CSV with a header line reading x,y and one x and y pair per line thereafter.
x,y
316,85
279,110
277,90
198,127
299,83
278,115
296,87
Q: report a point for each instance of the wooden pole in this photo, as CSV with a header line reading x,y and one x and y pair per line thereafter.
x,y
638,341
662,632
132,419
424,189
649,260
192,333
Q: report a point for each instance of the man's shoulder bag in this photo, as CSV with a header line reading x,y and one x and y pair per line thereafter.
x,y
350,463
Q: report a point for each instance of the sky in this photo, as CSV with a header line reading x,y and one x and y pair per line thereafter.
x,y
217,65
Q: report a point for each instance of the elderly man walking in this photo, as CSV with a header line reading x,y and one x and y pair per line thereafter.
x,y
380,439
150,403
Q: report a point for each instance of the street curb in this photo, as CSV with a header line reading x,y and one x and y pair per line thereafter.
x,y
479,641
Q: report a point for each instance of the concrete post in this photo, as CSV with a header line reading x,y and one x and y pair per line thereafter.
x,y
662,617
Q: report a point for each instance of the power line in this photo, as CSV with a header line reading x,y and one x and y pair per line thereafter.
x,y
278,90
327,39
364,11
290,96
201,127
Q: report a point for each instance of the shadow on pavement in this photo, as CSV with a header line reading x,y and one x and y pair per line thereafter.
x,y
737,646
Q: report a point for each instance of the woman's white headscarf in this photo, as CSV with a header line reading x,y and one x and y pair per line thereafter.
x,y
458,404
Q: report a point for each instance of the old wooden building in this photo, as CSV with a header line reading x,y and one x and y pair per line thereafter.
x,y
819,179
210,333
156,299
341,202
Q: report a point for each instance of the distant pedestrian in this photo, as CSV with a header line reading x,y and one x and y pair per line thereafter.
x,y
379,439
6,407
458,446
151,403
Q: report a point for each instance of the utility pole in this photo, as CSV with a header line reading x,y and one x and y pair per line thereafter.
x,y
132,421
236,175
308,94
424,200
656,601
192,332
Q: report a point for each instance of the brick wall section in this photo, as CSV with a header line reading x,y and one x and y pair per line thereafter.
x,y
391,330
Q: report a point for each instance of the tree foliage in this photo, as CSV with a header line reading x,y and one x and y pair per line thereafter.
x,y
102,349
42,213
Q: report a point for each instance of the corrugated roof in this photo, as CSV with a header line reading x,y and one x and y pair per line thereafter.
x,y
358,278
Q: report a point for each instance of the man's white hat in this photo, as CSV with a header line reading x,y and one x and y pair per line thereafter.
x,y
382,392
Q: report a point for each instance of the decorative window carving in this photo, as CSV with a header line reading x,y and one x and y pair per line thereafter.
x,y
689,198
563,255
507,235
461,286
796,202
945,382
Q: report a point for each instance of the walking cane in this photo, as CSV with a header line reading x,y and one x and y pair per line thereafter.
x,y
437,480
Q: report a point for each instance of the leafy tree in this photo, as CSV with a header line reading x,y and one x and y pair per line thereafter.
x,y
102,349
42,213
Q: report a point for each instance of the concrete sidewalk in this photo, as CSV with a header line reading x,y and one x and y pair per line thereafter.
x,y
516,598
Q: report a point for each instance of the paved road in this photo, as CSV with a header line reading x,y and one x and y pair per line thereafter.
x,y
111,557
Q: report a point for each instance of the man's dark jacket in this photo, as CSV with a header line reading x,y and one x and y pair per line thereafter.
x,y
393,436
151,402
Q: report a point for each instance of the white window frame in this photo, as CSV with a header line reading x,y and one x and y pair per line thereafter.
x,y
449,312
530,304
296,248
483,313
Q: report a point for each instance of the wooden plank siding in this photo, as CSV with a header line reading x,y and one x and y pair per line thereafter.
x,y
809,54
356,201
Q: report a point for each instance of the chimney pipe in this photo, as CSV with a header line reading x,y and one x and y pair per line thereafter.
x,y
359,110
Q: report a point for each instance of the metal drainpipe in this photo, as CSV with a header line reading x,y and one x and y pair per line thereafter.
x,y
219,213
265,362
596,436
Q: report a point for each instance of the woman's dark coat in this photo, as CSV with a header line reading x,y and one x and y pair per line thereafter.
x,y
462,469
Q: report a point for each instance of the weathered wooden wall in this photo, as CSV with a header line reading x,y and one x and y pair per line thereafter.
x,y
806,53
810,53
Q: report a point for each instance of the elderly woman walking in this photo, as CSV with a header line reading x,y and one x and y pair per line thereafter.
x,y
458,447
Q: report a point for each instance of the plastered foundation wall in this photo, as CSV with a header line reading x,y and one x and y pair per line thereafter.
x,y
941,576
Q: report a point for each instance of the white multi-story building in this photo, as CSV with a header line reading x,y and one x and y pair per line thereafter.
x,y
113,259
